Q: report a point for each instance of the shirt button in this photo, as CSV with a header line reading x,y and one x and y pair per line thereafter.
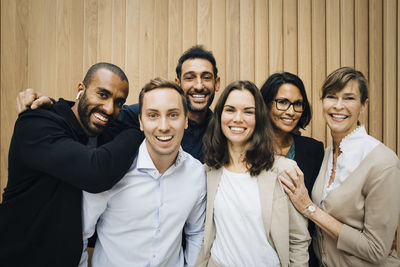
x,y
158,230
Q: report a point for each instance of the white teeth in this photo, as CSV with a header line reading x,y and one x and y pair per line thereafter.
x,y
237,129
198,96
339,116
100,117
288,120
164,138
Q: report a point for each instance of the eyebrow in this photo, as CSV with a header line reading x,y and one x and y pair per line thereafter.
x,y
156,110
104,90
193,72
229,106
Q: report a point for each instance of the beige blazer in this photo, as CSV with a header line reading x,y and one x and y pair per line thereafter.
x,y
368,203
286,229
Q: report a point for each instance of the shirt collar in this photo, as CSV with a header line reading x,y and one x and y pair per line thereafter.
x,y
209,114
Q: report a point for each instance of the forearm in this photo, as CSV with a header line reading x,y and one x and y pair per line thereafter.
x,y
326,222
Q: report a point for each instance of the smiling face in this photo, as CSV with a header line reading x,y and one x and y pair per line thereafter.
x,y
342,109
101,101
198,83
286,121
238,118
163,122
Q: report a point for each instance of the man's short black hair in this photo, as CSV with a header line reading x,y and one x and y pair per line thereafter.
x,y
197,51
103,65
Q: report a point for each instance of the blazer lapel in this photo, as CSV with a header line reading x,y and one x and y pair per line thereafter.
x,y
266,185
318,189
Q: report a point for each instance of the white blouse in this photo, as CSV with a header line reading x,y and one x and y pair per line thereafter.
x,y
354,147
240,239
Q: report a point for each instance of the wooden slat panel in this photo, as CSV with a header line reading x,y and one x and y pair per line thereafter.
x,y
90,34
161,38
290,41
204,23
174,35
35,33
347,33
247,40
375,69
76,49
275,37
261,42
105,30
232,40
398,104
389,77
304,54
189,30
361,44
146,42
219,41
132,49
318,63
118,33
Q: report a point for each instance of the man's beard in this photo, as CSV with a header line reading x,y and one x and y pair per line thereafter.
x,y
193,109
85,113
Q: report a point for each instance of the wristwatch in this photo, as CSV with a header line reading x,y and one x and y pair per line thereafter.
x,y
310,209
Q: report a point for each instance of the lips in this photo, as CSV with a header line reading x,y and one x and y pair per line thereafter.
x,y
338,117
100,119
164,138
237,129
287,121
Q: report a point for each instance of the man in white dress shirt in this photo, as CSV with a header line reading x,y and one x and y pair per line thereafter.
x,y
140,220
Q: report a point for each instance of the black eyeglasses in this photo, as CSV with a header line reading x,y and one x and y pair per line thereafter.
x,y
284,104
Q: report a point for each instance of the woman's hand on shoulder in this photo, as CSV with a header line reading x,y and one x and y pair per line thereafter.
x,y
296,189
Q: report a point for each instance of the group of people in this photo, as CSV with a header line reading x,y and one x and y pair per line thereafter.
x,y
264,193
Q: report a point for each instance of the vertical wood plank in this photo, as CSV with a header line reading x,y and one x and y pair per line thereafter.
x,y
232,40
261,42
219,41
304,54
290,41
389,70
146,42
204,15
275,37
190,24
35,33
174,36
132,49
90,34
375,69
361,44
398,105
347,33
49,51
318,64
247,40
105,30
76,46
161,39
118,33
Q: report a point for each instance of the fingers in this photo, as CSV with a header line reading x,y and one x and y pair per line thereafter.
x,y
287,184
42,101
25,99
300,174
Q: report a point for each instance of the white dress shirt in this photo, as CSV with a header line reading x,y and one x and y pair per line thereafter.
x,y
354,148
140,220
240,238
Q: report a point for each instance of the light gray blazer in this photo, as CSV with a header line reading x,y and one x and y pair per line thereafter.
x,y
286,229
368,203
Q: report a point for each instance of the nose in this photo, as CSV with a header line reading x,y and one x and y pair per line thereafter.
x,y
237,117
290,110
198,84
339,103
163,124
108,107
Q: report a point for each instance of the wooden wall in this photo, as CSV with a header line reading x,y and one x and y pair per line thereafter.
x,y
49,44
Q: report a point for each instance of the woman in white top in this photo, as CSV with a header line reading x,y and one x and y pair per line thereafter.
x,y
249,219
356,199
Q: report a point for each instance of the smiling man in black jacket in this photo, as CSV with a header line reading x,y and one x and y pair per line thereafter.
x,y
50,164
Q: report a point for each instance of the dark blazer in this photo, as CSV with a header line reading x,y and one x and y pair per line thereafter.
x,y
309,154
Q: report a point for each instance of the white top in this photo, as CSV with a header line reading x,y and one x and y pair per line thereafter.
x,y
354,147
140,220
240,235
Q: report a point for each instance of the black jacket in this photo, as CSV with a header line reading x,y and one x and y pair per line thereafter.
x,y
49,165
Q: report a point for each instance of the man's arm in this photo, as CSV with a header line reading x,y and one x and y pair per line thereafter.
x,y
46,144
194,227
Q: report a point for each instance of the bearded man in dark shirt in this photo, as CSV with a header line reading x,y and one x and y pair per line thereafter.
x,y
50,164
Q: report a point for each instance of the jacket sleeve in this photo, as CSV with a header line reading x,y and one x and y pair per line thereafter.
x,y
382,209
45,144
299,237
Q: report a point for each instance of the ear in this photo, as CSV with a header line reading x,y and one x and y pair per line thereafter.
x,y
140,123
217,83
178,81
364,106
186,121
81,88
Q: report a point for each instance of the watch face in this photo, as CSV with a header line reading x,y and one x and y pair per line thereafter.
x,y
311,208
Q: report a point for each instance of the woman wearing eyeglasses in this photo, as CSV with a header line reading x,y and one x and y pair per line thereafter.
x,y
286,98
